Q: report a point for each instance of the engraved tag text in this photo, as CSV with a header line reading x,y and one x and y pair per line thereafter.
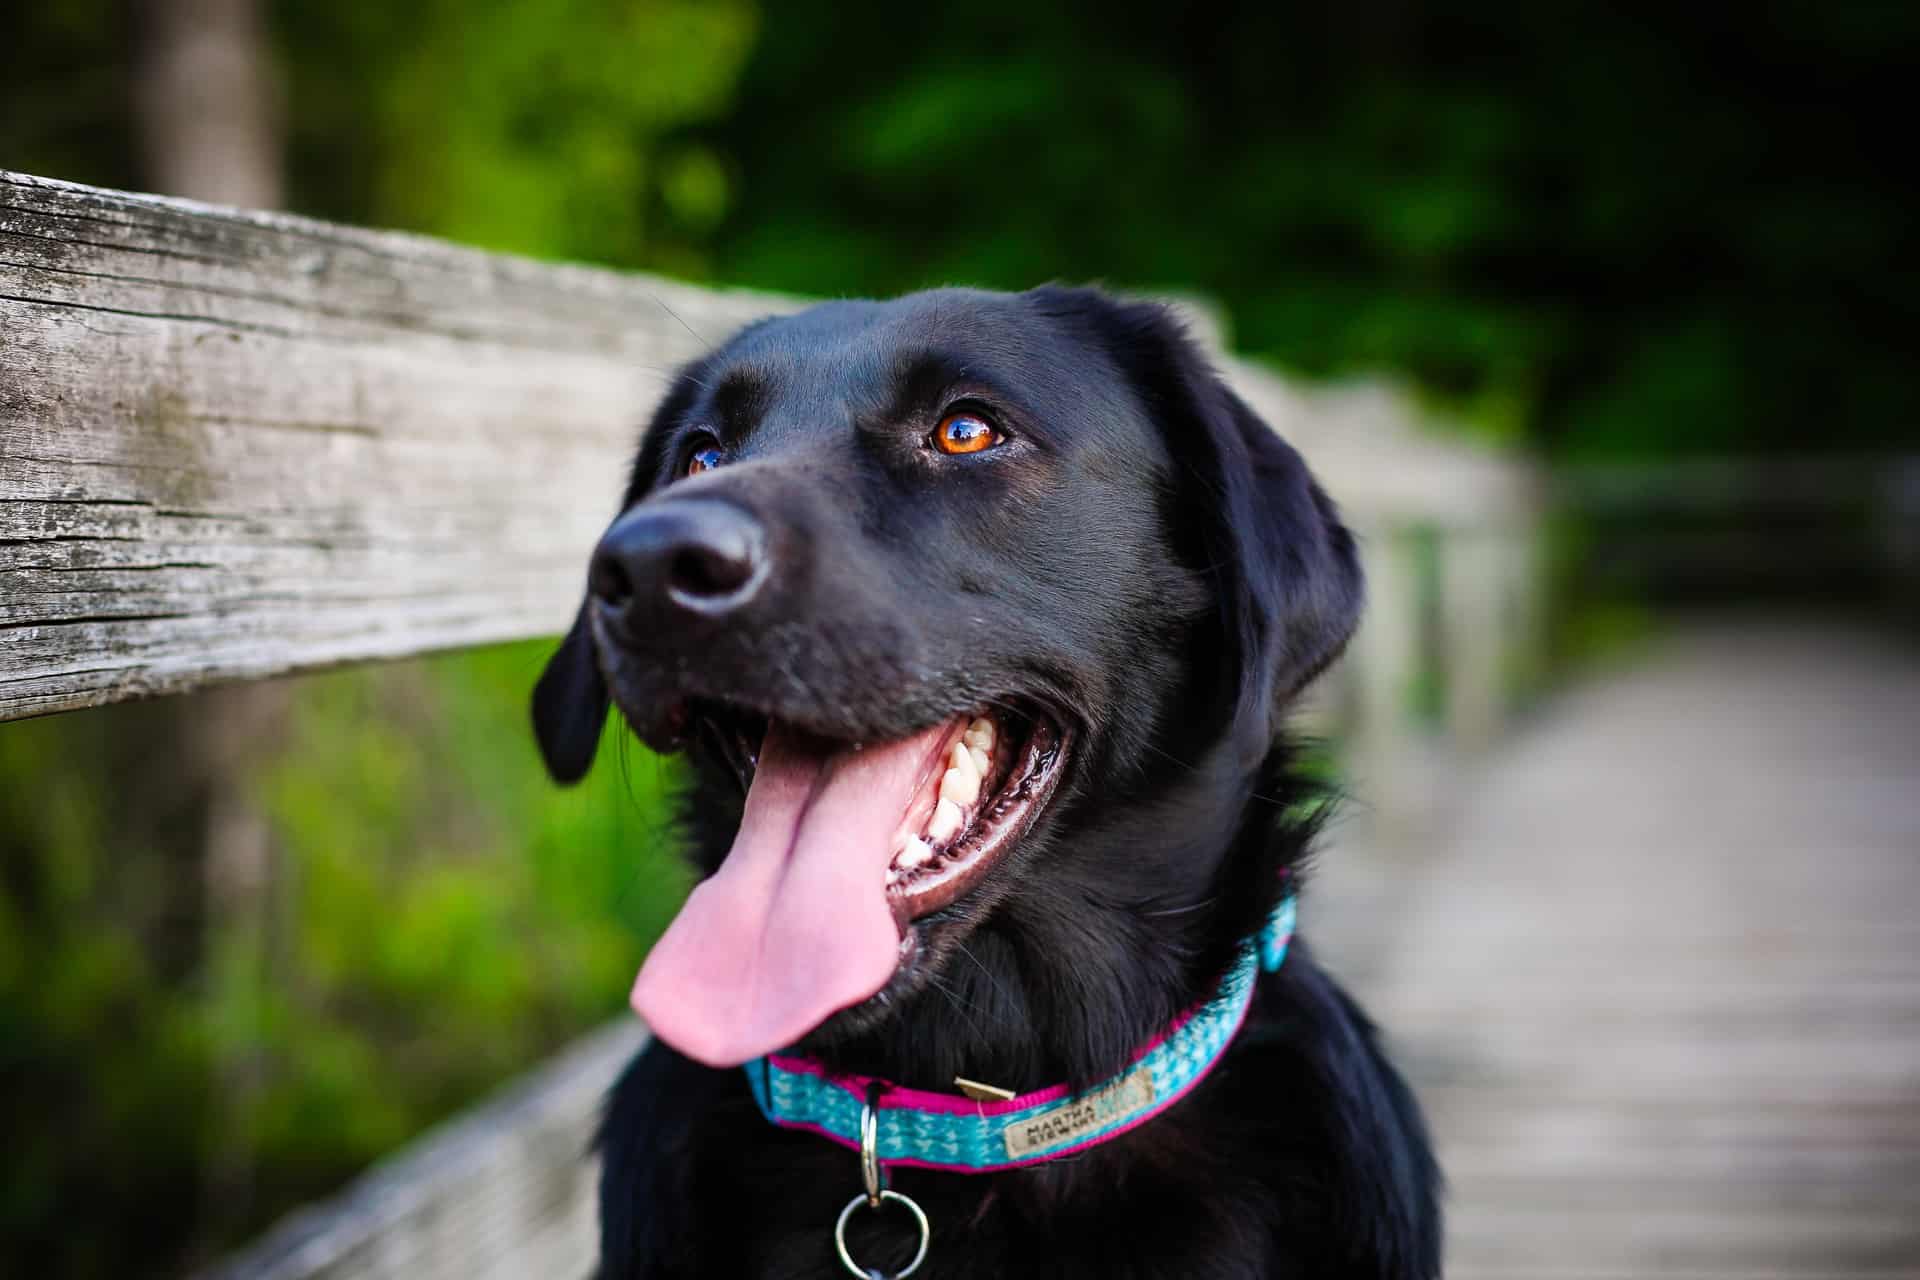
x,y
1071,1121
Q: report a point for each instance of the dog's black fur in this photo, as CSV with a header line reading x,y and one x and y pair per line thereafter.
x,y
1148,561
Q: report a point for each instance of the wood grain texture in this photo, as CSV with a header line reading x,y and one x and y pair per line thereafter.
x,y
238,444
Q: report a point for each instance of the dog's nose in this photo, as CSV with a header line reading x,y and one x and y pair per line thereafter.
x,y
701,555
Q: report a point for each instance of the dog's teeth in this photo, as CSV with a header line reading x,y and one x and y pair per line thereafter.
x,y
913,853
980,734
961,782
945,820
960,787
979,759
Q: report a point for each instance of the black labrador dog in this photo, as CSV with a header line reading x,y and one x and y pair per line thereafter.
x,y
977,615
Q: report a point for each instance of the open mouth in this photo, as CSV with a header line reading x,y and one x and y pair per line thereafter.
x,y
998,776
842,849
984,780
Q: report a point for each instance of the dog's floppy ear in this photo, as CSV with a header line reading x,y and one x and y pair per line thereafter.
x,y
1292,579
570,705
1285,569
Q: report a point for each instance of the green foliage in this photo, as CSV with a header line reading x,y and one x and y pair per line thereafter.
x,y
458,918
64,76
1616,232
538,126
438,917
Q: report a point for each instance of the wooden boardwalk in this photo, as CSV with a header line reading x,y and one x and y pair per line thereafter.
x,y
1657,978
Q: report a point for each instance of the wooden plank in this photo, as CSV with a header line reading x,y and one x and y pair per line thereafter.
x,y
1820,482
238,444
1656,1236
1655,977
1532,1268
1379,455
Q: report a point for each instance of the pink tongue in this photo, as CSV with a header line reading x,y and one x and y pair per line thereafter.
x,y
795,925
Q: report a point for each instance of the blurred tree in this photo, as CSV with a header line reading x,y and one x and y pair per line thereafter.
x,y
207,116
206,109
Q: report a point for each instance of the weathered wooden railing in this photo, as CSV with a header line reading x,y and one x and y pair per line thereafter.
x,y
1840,526
237,445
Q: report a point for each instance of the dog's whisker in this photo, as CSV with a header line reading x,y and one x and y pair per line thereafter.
x,y
960,1006
1201,905
1172,759
683,324
989,974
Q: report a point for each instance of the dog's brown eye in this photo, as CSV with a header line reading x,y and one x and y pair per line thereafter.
x,y
704,459
964,433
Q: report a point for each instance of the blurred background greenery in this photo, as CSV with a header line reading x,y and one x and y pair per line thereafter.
x,y
1600,231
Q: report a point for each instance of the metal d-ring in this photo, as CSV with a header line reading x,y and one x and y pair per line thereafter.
x,y
876,1195
919,1220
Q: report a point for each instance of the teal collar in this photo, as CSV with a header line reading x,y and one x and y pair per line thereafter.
x,y
926,1130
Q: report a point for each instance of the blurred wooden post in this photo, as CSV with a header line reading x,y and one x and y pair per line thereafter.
x,y
1899,517
1526,607
1474,631
1386,655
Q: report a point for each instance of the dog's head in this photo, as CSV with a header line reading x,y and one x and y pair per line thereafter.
x,y
977,614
